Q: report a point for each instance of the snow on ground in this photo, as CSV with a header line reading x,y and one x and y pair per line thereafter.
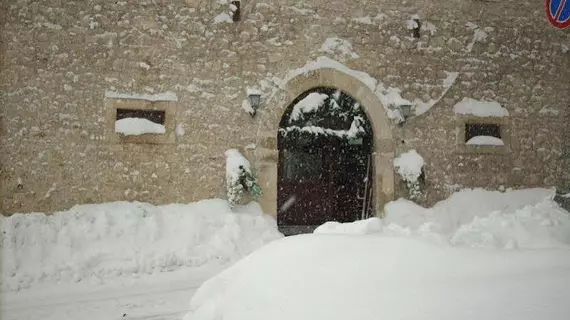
x,y
156,296
477,255
98,243
138,126
388,269
333,277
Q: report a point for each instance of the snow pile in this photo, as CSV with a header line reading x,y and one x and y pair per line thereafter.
x,y
409,165
235,163
480,108
166,96
180,130
239,178
412,23
311,103
368,226
340,47
528,218
485,141
223,17
97,242
332,277
138,126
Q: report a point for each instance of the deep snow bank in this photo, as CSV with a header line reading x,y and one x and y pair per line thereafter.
x,y
475,218
121,238
334,277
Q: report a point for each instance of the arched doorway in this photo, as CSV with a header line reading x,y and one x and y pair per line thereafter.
x,y
325,167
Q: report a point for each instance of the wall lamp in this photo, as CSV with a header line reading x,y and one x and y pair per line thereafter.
x,y
254,102
405,111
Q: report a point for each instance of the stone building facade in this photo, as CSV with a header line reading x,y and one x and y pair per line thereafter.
x,y
60,60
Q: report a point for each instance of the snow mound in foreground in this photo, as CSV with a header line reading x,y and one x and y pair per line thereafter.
x,y
527,218
330,277
121,238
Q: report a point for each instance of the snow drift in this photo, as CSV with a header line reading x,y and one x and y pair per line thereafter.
x,y
124,239
527,218
332,277
411,265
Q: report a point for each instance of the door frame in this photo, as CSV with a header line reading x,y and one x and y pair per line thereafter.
x,y
266,153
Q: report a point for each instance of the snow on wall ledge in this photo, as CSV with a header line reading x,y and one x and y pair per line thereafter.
x,y
166,96
97,242
478,108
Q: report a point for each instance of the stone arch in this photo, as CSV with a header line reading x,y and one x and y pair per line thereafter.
x,y
266,154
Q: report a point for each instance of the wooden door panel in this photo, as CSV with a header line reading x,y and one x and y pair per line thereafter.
x,y
323,183
303,197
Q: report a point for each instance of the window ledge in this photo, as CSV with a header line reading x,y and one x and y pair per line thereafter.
x,y
482,149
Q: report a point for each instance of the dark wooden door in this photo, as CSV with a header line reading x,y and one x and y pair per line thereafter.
x,y
352,187
322,182
304,196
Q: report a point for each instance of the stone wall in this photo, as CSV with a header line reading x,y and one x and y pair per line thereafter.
x,y
59,58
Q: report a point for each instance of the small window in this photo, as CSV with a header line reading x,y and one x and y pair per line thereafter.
x,y
236,9
140,118
479,129
156,116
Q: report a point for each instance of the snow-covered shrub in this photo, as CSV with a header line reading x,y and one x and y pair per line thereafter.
x,y
409,166
239,178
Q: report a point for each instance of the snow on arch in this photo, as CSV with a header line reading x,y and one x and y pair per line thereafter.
x,y
389,98
324,62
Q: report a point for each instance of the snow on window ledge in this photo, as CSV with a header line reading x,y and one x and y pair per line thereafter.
x,y
478,108
138,126
485,141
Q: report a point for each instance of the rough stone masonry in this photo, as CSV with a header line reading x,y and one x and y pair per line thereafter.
x,y
60,57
